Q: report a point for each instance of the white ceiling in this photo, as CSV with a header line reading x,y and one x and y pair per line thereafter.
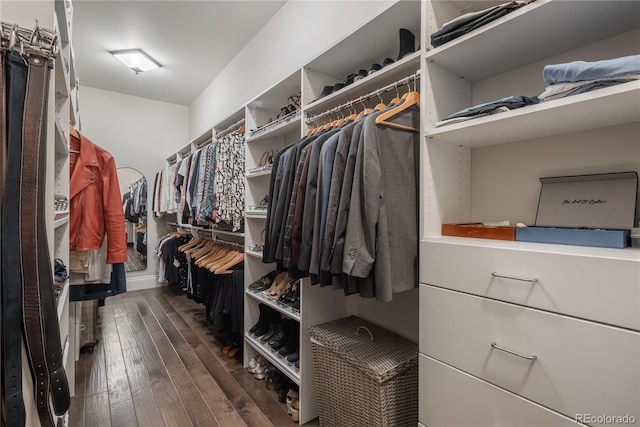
x,y
193,40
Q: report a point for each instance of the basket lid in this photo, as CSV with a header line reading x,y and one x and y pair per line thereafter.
x,y
375,351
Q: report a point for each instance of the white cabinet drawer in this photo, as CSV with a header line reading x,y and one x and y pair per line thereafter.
x,y
591,283
449,397
580,366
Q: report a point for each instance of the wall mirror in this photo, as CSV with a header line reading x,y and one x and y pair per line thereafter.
x,y
133,187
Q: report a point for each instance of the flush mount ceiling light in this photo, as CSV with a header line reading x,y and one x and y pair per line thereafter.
x,y
136,59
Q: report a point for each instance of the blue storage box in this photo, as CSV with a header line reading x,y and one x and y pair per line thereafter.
x,y
585,210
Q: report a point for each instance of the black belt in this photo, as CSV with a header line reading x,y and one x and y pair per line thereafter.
x,y
40,319
16,81
3,148
27,277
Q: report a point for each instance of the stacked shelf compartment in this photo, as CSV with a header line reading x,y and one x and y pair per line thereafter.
x,y
268,129
488,168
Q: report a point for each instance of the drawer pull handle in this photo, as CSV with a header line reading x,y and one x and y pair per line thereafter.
x,y
522,279
515,353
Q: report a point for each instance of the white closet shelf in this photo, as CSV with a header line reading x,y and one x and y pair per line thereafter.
x,y
62,144
256,214
254,253
62,79
259,173
628,254
284,309
370,43
387,75
278,361
61,220
65,350
610,106
276,130
197,231
517,38
62,299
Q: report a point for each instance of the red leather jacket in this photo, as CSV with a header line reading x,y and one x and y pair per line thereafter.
x,y
95,202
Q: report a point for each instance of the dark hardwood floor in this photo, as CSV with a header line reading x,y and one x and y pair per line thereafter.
x,y
157,363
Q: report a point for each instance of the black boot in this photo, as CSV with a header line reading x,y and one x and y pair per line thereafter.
x,y
269,319
407,43
281,336
293,341
261,320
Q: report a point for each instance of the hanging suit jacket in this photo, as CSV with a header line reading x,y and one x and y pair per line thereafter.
x,y
95,202
382,228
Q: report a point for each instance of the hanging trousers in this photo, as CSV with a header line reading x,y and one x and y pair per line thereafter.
x,y
27,276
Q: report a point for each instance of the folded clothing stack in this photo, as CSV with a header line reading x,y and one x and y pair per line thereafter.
x,y
577,77
472,20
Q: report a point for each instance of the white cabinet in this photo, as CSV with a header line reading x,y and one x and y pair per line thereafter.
x,y
589,283
569,365
450,397
576,308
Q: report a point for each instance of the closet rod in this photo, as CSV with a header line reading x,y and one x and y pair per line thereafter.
x,y
233,245
377,92
230,129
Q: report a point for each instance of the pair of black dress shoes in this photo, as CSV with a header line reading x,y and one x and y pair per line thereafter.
x,y
407,47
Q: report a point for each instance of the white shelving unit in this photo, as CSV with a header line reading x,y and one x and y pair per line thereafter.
x,y
266,132
371,43
488,169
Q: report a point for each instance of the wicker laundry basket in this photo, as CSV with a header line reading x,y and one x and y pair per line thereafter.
x,y
365,375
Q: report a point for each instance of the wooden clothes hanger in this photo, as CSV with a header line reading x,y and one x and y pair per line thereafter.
x,y
74,132
235,261
190,244
412,98
229,260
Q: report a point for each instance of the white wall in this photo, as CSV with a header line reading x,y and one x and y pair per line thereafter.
x,y
140,134
299,32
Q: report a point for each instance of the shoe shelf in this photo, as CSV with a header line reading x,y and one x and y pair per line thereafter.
x,y
274,358
372,43
387,75
278,128
285,309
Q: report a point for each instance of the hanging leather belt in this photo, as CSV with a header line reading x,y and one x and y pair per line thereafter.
x,y
27,277
3,148
16,80
40,319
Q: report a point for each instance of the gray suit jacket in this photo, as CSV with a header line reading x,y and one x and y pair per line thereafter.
x,y
337,176
382,229
310,200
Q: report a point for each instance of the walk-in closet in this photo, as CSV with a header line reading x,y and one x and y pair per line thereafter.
x,y
321,213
